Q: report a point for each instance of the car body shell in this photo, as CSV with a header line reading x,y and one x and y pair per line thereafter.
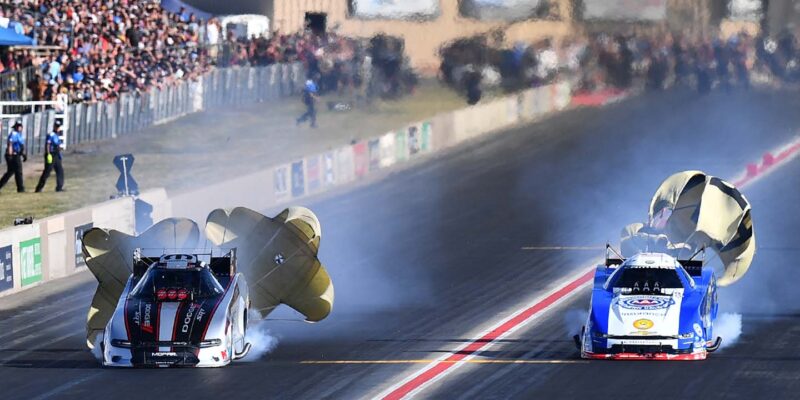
x,y
670,324
204,333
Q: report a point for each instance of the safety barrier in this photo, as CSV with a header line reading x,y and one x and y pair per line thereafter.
x,y
315,173
50,248
224,87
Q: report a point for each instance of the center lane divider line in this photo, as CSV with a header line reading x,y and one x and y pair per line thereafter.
x,y
439,368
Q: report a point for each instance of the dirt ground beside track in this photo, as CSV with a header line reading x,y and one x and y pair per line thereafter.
x,y
213,145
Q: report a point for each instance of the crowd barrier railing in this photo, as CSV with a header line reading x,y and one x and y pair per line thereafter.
x,y
224,87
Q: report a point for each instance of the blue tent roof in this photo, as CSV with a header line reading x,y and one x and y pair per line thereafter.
x,y
8,37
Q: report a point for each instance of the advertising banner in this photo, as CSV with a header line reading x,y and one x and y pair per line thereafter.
x,y
30,261
542,100
6,269
281,181
374,147
400,145
298,179
413,140
79,232
426,137
329,169
313,174
345,164
360,159
625,10
394,9
503,10
387,149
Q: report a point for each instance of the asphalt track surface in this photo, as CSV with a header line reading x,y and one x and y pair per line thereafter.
x,y
427,257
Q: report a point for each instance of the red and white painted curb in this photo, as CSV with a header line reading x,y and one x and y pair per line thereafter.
x,y
599,98
446,364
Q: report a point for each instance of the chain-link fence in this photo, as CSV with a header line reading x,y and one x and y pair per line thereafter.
x,y
89,122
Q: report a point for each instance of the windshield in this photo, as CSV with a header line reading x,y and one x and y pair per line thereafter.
x,y
171,285
648,280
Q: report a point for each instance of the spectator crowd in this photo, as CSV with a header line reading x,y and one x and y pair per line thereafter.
x,y
97,50
620,61
101,49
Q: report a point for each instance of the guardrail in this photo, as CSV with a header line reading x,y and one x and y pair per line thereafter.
x,y
50,248
89,122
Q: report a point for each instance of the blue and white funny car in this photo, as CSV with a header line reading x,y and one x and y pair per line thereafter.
x,y
651,306
654,300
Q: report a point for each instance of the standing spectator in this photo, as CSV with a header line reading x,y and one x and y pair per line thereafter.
x,y
52,159
15,155
54,68
310,96
212,38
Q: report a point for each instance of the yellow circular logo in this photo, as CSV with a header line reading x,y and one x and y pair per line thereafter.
x,y
643,324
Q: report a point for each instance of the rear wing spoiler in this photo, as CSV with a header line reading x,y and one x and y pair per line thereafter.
x,y
224,265
692,265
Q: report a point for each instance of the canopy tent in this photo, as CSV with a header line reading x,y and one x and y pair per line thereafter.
x,y
8,37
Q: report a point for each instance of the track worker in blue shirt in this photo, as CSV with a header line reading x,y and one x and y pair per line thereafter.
x,y
15,155
52,159
310,96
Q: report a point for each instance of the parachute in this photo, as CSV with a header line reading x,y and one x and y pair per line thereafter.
x,y
277,256
691,211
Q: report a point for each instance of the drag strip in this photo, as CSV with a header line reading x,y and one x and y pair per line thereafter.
x,y
422,259
438,369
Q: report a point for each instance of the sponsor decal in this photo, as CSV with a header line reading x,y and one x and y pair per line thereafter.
x,y
6,268
646,303
164,354
201,314
147,325
187,319
698,329
298,179
643,324
79,232
30,261
638,341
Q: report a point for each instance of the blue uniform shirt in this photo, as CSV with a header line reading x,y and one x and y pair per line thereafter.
x,y
16,141
54,141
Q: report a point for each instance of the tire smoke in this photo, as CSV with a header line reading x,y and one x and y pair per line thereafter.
x,y
261,340
728,326
96,348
